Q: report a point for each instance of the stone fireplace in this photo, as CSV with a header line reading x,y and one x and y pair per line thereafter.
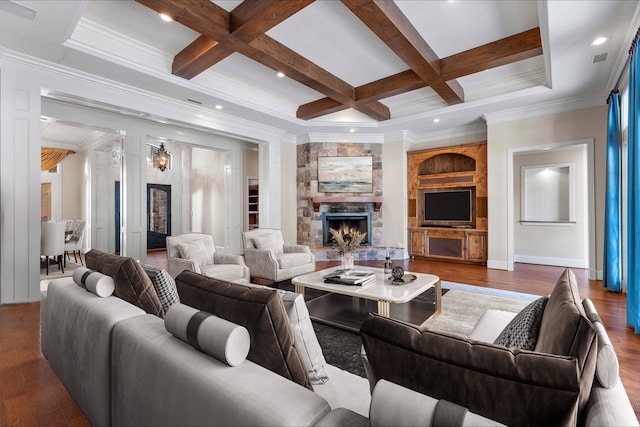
x,y
313,206
346,222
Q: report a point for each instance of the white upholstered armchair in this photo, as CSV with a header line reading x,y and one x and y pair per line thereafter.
x,y
197,252
268,257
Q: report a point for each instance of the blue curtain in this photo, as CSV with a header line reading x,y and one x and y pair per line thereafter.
x,y
633,207
612,265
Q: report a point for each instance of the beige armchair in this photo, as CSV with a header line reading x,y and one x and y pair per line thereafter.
x,y
197,252
268,257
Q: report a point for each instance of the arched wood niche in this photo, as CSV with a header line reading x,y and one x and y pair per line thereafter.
x,y
458,167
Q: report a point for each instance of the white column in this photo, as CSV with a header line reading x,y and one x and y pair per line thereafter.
x,y
134,196
270,184
19,185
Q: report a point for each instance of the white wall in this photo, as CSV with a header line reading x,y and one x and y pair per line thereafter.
x,y
394,207
553,244
207,193
72,173
505,136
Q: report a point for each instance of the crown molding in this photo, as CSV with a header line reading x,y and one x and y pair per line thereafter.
x,y
147,105
400,136
473,132
351,138
546,108
102,42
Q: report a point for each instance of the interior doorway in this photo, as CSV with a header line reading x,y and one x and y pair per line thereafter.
x,y
158,215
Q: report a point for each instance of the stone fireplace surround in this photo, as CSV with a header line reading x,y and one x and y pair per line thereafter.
x,y
309,214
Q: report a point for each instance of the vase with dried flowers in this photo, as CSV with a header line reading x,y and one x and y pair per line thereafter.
x,y
345,242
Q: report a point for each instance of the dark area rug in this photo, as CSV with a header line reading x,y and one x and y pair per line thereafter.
x,y
341,348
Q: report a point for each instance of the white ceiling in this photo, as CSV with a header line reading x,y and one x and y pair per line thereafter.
x,y
127,42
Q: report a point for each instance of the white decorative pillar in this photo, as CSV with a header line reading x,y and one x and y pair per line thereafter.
x,y
133,190
19,185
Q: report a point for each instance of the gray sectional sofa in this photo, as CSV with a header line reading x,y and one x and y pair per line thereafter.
x,y
123,367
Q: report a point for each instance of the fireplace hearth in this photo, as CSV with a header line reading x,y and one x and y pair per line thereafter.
x,y
347,222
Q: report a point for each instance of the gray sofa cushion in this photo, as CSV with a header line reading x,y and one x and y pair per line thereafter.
x,y
169,383
132,283
259,310
78,325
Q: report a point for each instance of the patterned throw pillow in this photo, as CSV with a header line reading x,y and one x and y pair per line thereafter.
x,y
522,331
164,285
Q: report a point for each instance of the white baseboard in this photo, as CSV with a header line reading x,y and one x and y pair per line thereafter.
x,y
595,274
560,262
497,265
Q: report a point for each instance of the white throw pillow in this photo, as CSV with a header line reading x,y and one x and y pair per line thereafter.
x,y
97,283
196,252
224,340
305,336
269,243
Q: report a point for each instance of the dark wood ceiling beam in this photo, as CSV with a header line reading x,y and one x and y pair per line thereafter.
x,y
196,57
527,44
388,22
275,55
247,21
374,91
214,23
501,52
252,18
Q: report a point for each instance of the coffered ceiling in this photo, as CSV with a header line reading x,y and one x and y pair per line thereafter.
x,y
369,66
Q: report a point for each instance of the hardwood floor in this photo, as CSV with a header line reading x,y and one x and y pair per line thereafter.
x,y
32,395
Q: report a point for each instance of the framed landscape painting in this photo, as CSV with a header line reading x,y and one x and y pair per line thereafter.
x,y
345,174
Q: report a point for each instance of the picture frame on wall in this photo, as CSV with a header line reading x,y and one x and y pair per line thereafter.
x,y
350,174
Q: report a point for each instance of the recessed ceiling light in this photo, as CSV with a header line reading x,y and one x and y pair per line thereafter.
x,y
280,74
218,107
165,18
352,130
598,41
436,120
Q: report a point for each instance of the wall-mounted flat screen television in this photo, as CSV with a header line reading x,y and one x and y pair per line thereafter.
x,y
448,206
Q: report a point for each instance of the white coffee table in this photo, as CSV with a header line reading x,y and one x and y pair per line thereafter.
x,y
335,309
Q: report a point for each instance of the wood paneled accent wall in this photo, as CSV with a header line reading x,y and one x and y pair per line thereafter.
x,y
455,167
462,166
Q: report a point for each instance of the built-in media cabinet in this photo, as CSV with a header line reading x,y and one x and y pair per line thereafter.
x,y
448,203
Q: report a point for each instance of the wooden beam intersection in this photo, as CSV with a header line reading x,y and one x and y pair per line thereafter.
x,y
527,44
243,30
386,20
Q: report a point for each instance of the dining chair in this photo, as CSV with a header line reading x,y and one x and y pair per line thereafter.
x,y
52,243
73,242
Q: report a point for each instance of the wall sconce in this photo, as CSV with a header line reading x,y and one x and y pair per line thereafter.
x,y
163,157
